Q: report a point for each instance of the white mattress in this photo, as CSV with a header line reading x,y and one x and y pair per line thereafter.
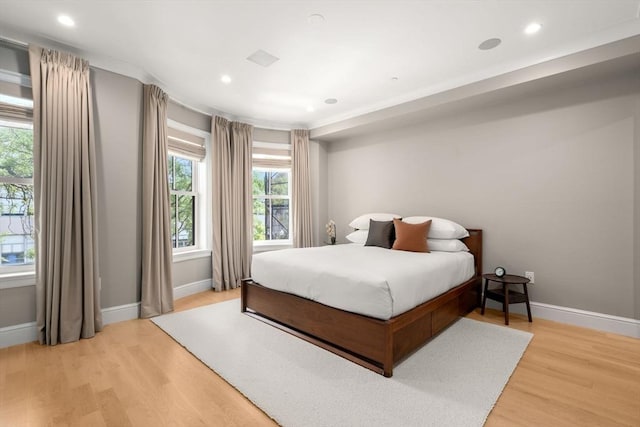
x,y
368,280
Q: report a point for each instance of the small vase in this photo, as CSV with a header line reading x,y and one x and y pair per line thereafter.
x,y
333,240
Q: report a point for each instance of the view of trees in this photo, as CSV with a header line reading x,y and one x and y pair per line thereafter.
x,y
16,194
270,212
182,201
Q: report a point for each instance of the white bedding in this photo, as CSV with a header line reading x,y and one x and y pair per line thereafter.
x,y
369,280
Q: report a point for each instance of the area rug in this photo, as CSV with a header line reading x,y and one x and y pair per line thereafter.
x,y
454,380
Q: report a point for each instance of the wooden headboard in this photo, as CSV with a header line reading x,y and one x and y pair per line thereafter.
x,y
474,243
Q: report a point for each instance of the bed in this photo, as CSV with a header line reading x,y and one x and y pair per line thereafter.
x,y
374,339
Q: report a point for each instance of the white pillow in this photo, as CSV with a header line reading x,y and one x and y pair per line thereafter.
x,y
358,236
447,245
440,228
362,222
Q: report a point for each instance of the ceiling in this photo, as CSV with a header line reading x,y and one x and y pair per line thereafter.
x,y
368,55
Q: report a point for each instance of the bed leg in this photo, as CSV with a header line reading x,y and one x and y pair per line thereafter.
x,y
387,364
243,295
388,371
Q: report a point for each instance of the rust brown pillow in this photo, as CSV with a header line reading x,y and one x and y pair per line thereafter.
x,y
411,237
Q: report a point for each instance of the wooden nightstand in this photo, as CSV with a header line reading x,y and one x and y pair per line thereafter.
x,y
504,294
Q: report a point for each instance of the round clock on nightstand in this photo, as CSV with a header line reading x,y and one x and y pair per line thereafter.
x,y
500,271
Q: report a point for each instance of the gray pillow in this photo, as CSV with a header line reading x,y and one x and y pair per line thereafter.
x,y
381,233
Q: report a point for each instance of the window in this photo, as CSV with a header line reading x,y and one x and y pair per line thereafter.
x,y
17,247
182,185
271,195
187,179
271,192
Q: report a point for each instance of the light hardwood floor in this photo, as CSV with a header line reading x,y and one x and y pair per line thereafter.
x,y
133,374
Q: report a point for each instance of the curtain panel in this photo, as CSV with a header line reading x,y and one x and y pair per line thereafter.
x,y
232,202
157,254
64,152
301,189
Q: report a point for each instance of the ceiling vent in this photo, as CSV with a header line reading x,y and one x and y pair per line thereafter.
x,y
263,58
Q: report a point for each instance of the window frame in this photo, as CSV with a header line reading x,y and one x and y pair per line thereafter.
x,y
193,193
201,173
19,270
279,242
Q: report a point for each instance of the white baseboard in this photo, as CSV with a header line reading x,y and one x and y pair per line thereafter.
x,y
18,334
587,319
573,316
120,313
192,288
28,332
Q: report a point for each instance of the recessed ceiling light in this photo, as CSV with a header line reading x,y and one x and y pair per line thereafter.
x,y
66,20
330,101
489,44
315,18
310,108
225,79
533,28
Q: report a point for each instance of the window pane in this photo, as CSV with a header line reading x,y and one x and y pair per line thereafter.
x,y
272,183
172,199
185,221
259,179
170,170
16,152
183,177
278,183
16,224
270,219
16,200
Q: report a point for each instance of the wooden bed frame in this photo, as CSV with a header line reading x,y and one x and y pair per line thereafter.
x,y
373,343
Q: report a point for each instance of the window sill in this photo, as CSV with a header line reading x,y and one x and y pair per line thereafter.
x,y
264,247
189,255
17,280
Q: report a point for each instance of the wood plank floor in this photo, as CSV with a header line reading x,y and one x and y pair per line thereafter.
x,y
133,374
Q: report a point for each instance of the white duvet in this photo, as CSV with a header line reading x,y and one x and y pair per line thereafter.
x,y
368,280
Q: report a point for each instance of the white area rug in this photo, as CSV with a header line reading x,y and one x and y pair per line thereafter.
x,y
454,380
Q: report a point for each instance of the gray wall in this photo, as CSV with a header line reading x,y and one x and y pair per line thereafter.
x,y
552,179
13,58
17,305
118,125
190,271
318,166
189,117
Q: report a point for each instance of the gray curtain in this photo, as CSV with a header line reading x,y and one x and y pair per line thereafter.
x,y
157,286
67,274
232,202
301,189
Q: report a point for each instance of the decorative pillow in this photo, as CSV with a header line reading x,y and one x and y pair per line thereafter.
x,y
362,222
440,228
358,236
411,237
446,245
381,233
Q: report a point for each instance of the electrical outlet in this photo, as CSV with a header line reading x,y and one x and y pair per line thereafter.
x,y
529,275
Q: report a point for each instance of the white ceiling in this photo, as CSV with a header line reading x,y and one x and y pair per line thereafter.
x,y
430,46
